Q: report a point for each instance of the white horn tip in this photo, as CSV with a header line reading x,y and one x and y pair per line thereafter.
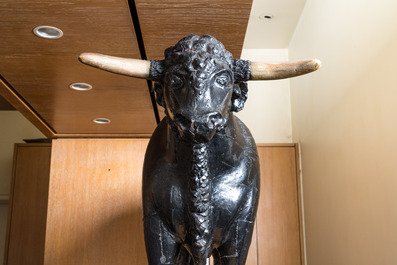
x,y
85,56
317,63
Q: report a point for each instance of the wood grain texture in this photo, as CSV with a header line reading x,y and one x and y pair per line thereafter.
x,y
4,105
279,235
28,205
95,212
163,23
40,71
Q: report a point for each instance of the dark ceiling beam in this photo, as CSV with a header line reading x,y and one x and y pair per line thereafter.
x,y
141,45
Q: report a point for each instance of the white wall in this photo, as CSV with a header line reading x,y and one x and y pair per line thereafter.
x,y
14,128
267,112
344,116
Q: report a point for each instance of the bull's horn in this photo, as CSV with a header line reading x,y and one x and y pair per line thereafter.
x,y
266,71
131,67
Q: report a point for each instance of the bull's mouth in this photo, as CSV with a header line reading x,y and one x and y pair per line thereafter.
x,y
200,130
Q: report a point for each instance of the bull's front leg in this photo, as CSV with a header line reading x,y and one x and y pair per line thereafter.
x,y
161,247
235,250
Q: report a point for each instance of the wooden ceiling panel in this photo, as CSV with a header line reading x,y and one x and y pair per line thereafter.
x,y
123,100
40,70
163,23
35,73
104,26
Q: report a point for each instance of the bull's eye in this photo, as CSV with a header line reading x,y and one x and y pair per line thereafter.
x,y
176,82
222,80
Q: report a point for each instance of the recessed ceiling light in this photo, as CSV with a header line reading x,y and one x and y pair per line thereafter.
x,y
101,121
81,86
266,17
48,32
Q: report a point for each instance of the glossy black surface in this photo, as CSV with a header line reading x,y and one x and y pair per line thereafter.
x,y
201,170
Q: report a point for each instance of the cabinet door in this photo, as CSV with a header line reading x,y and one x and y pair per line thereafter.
x,y
278,234
28,205
94,204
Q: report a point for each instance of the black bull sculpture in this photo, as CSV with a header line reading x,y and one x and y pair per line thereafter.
x,y
201,171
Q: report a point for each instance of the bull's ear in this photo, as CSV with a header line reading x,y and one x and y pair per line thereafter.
x,y
156,72
241,70
239,96
158,90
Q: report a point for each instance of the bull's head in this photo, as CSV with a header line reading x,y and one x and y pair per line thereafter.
x,y
199,83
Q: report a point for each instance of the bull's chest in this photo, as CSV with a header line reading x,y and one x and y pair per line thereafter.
x,y
171,187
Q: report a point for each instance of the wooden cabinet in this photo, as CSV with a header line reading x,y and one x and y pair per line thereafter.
x,y
279,233
79,202
94,204
28,205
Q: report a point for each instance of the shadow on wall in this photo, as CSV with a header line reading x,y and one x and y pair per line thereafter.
x,y
345,120
349,170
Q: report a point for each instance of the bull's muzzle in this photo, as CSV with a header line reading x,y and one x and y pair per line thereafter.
x,y
199,128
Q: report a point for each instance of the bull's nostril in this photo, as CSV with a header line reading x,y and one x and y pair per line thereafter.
x,y
216,119
199,126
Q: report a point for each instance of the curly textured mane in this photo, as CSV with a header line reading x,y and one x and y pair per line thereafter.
x,y
200,203
197,44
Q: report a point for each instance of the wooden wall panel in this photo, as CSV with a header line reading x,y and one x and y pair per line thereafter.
x,y
278,220
95,212
28,205
163,23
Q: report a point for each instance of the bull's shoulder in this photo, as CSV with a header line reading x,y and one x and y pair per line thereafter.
x,y
233,153
155,163
234,140
243,134
157,143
